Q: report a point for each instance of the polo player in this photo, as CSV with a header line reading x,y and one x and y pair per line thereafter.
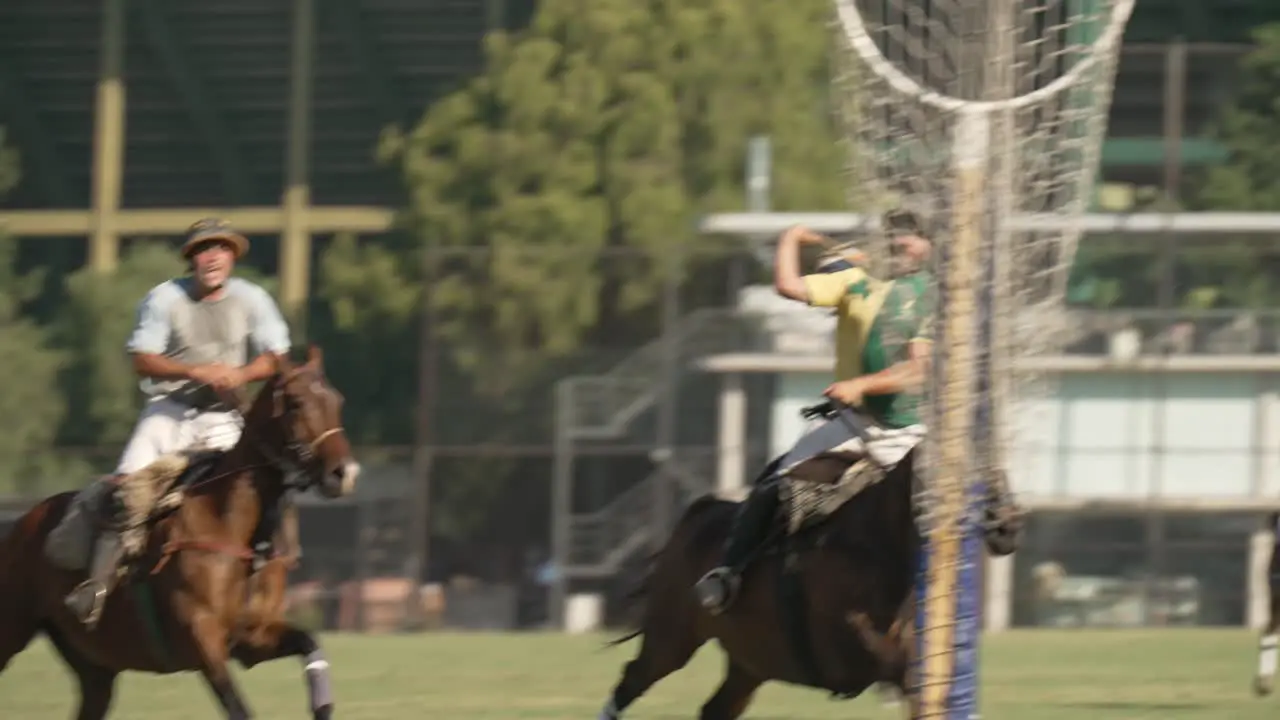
x,y
196,338
884,330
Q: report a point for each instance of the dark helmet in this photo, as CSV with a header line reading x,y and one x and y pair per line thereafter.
x,y
841,257
900,221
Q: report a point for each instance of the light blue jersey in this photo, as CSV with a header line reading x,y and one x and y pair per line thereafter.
x,y
237,327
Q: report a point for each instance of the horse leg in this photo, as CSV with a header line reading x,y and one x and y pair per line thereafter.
x,y
1003,518
211,646
654,662
285,640
97,684
733,696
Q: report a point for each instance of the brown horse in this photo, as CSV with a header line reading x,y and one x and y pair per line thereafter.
x,y
843,624
200,595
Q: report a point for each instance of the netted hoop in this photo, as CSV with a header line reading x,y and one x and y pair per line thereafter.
x,y
987,117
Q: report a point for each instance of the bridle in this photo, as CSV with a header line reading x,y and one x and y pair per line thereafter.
x,y
296,455
302,453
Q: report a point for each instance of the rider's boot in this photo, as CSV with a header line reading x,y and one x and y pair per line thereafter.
x,y
87,599
717,589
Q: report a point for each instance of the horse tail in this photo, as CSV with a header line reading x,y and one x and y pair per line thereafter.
x,y
625,638
8,555
641,589
24,543
14,548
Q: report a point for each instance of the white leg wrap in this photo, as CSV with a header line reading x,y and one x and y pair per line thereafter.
x,y
609,712
1267,656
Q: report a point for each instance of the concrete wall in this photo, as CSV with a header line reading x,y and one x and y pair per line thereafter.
x,y
1123,435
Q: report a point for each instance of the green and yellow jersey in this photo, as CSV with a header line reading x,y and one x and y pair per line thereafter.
x,y
876,322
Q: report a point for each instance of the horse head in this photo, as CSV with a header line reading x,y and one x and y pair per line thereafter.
x,y
296,420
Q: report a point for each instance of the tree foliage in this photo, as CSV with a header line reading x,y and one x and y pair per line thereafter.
x,y
1226,272
1250,130
29,399
368,305
606,125
93,325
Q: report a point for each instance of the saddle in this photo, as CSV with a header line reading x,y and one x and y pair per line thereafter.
x,y
149,496
813,491
807,500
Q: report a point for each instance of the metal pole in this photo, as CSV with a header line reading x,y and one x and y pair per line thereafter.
x,y
758,185
108,140
418,565
1174,85
561,503
731,463
664,449
295,241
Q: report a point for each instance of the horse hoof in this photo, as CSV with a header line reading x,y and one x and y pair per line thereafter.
x,y
322,713
1262,686
1001,544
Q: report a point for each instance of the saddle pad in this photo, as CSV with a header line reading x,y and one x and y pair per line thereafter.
x,y
69,544
809,502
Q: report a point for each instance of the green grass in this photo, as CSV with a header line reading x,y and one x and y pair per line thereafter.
x,y
1046,675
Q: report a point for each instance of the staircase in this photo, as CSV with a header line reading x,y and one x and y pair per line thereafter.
x,y
607,407
601,541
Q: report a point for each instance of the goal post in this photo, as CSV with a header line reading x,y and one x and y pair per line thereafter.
x,y
970,113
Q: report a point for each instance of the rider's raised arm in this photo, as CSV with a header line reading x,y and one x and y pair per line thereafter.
x,y
152,331
828,289
787,279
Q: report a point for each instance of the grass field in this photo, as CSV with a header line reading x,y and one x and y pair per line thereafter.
x,y
1046,675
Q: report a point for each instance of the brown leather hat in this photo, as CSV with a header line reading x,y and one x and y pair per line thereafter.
x,y
214,230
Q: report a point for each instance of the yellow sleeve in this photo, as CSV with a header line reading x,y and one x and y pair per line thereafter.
x,y
827,289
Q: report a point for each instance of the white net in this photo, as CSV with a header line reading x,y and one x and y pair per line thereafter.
x,y
1034,79
985,117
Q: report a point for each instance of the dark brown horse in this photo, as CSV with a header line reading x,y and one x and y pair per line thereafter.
x,y
200,595
843,625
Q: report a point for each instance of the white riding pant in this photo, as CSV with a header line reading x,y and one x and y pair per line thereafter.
x,y
885,446
166,427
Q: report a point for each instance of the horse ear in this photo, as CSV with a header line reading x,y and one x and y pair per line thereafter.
x,y
315,358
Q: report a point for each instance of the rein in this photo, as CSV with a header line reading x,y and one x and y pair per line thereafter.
x,y
274,460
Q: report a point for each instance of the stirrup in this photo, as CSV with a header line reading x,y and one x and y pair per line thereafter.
x,y
86,602
717,589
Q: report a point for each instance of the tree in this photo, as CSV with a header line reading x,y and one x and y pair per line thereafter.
x,y
29,398
1235,275
607,126
366,318
549,193
1250,130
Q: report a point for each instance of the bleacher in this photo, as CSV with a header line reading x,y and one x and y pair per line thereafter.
x,y
208,90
